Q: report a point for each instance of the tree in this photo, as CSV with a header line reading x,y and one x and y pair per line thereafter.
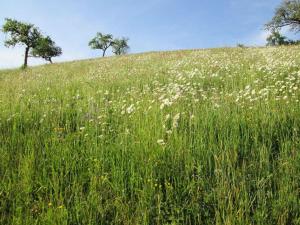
x,y
275,39
101,41
46,49
292,42
120,46
239,45
287,14
21,33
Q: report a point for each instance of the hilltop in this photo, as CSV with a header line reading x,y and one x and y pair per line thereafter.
x,y
187,137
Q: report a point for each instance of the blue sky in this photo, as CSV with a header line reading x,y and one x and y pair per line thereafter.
x,y
151,25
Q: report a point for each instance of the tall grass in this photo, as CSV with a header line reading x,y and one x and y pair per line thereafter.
x,y
189,137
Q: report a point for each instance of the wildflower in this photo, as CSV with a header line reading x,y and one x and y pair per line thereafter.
x,y
130,109
169,132
216,105
59,129
165,102
161,142
168,116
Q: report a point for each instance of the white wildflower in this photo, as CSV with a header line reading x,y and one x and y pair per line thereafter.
x,y
161,142
130,109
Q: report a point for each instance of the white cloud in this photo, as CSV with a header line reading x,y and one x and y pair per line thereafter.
x,y
255,39
260,38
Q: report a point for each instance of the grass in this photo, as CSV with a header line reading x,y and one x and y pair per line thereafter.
x,y
188,137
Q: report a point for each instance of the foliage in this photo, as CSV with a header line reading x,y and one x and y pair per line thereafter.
x,y
239,45
294,42
120,46
46,49
275,39
21,33
187,137
101,41
287,14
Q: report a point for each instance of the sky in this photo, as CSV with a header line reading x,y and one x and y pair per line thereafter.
x,y
151,25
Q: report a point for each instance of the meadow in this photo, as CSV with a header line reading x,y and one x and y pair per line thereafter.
x,y
186,137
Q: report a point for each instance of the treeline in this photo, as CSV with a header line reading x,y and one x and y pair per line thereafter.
x,y
39,46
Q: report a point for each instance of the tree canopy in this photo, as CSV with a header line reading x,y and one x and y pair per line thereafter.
x,y
275,39
46,49
21,33
287,14
102,42
120,46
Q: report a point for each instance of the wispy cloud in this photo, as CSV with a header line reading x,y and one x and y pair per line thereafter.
x,y
259,38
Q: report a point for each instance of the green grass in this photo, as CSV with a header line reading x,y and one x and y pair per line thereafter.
x,y
188,137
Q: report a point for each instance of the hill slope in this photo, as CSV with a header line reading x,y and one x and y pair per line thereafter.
x,y
187,137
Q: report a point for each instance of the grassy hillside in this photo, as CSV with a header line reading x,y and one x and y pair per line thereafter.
x,y
187,137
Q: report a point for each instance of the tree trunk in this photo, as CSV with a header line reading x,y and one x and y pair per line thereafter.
x,y
103,52
50,60
26,57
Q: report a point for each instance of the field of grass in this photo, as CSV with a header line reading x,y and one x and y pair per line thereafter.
x,y
188,137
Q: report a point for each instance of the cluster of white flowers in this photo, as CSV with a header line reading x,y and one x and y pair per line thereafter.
x,y
166,89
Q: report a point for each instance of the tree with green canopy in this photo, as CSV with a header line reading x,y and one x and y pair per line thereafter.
x,y
21,33
102,42
120,46
287,14
276,39
46,49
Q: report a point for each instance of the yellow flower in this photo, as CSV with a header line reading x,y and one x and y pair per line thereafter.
x,y
59,129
